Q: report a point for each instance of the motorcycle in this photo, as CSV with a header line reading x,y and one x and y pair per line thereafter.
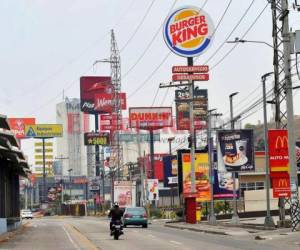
x,y
117,229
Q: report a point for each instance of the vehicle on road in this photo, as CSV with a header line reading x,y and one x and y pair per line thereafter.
x,y
135,216
117,229
26,214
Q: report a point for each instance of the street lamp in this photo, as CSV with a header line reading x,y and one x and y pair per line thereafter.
x,y
239,40
268,219
70,170
235,217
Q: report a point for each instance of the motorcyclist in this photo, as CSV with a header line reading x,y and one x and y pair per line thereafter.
x,y
115,214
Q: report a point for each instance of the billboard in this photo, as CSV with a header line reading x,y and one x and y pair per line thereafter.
x,y
150,117
125,193
152,189
236,150
133,137
158,171
183,108
202,176
44,130
278,150
104,102
96,139
170,171
297,149
94,183
281,185
89,87
17,126
188,31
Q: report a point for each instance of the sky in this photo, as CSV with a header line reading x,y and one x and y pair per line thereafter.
x,y
47,46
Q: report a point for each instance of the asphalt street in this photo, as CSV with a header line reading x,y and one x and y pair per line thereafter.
x,y
93,233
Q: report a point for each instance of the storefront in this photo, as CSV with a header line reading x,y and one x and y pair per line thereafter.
x,y
12,165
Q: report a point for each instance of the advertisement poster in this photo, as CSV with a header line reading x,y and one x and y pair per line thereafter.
x,y
170,171
236,150
150,118
104,103
17,126
158,171
152,189
183,112
281,185
278,150
297,149
125,193
202,176
89,87
96,139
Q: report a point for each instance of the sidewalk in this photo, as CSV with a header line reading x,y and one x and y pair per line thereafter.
x,y
250,227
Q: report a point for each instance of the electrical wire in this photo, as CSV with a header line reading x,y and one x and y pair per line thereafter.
x,y
242,37
138,26
231,32
164,98
155,97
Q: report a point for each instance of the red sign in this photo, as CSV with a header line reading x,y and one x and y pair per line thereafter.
x,y
150,118
108,117
104,102
89,87
17,126
110,127
190,69
278,150
191,77
158,171
281,185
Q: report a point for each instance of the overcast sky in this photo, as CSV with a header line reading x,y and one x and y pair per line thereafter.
x,y
46,46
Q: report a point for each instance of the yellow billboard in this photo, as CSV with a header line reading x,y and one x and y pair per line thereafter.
x,y
38,157
40,144
201,173
44,130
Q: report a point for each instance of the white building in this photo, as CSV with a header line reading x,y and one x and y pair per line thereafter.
x,y
71,146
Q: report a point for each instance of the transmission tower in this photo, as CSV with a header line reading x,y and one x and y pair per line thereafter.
x,y
115,65
283,92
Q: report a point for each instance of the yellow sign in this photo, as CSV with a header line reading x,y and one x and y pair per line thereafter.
x,y
37,157
40,144
44,130
47,150
41,162
201,174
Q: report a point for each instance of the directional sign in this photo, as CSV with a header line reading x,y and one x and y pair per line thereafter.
x,y
44,130
191,77
190,69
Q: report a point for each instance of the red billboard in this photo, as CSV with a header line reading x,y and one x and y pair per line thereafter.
x,y
150,117
89,87
281,185
17,126
158,171
104,102
278,150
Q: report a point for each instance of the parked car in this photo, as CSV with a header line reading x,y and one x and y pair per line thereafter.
x,y
26,214
135,216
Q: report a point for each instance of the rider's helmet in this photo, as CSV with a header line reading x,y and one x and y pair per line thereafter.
x,y
116,204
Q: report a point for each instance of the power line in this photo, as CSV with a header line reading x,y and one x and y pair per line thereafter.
x,y
243,36
138,27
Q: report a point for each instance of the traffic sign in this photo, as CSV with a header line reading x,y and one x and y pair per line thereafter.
x,y
191,77
190,69
44,130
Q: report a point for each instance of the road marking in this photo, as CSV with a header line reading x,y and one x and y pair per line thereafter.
x,y
135,231
175,242
70,238
151,235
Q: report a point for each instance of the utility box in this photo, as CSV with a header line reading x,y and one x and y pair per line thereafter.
x,y
297,42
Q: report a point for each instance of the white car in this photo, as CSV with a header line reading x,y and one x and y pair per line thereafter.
x,y
26,214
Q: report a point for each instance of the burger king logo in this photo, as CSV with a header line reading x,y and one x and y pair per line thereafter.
x,y
188,31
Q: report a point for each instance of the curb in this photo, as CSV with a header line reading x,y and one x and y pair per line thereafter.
x,y
9,235
197,230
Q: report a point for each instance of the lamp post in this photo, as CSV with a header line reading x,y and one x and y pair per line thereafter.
x,y
70,187
268,219
235,217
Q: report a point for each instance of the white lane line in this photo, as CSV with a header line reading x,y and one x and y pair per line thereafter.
x,y
70,238
175,242
151,235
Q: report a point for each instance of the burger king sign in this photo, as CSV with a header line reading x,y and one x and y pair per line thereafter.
x,y
188,31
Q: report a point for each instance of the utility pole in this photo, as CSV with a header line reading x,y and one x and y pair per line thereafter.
x,y
61,158
235,217
141,166
295,210
268,219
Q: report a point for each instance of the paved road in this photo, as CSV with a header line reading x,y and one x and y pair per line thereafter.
x,y
90,233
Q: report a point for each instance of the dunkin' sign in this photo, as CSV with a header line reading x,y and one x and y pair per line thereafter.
x,y
188,31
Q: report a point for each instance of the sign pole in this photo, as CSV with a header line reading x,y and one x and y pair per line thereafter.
x,y
44,172
152,153
97,159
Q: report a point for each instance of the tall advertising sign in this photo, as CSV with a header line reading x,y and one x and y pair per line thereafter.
x,y
17,126
183,112
236,150
125,193
90,86
202,176
278,150
152,189
150,118
170,171
188,31
104,102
